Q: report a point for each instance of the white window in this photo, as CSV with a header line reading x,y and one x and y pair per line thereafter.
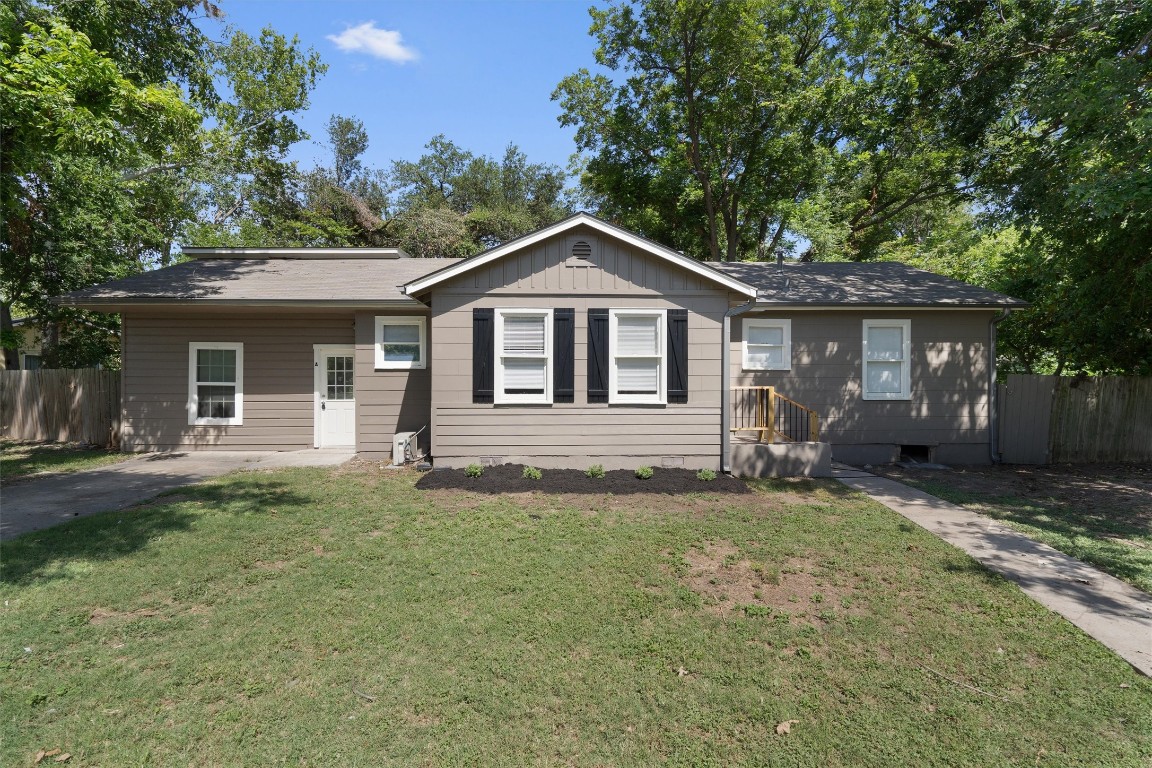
x,y
887,360
523,356
767,344
637,346
401,342
215,383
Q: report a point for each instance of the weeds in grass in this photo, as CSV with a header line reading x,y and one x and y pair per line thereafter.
x,y
276,616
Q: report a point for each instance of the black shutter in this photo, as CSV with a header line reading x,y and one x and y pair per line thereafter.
x,y
483,335
677,356
597,355
564,355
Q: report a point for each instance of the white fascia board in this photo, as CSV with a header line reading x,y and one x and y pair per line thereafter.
x,y
424,283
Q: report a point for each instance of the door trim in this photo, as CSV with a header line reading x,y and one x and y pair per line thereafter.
x,y
318,353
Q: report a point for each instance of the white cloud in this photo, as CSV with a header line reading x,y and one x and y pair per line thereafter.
x,y
370,39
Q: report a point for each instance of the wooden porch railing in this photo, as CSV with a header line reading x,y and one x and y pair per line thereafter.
x,y
773,416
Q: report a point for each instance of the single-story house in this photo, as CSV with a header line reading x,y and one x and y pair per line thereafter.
x,y
579,344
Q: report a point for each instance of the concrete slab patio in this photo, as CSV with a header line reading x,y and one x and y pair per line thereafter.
x,y
1115,613
32,505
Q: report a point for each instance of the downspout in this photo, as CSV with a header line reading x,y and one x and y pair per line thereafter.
x,y
993,406
726,383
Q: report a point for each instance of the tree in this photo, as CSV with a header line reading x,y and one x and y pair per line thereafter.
x,y
1050,101
106,156
72,121
450,202
727,119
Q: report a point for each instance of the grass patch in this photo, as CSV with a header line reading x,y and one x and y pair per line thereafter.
x,y
21,460
310,615
1116,539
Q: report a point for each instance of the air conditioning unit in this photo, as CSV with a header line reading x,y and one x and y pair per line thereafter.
x,y
403,448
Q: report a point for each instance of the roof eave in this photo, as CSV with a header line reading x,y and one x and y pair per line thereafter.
x,y
106,302
1010,305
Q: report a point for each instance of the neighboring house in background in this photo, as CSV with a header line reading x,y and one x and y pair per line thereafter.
x,y
29,349
578,344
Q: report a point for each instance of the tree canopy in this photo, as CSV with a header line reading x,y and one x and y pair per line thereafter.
x,y
1010,133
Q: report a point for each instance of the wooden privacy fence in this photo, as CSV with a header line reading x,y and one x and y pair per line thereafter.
x,y
64,405
1052,419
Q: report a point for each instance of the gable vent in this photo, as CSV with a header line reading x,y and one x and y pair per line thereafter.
x,y
581,249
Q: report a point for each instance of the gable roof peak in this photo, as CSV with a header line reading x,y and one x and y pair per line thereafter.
x,y
581,218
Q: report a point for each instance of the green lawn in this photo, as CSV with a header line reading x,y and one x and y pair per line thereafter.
x,y
23,459
1071,511
310,617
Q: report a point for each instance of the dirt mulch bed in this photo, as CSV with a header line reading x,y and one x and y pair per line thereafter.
x,y
507,478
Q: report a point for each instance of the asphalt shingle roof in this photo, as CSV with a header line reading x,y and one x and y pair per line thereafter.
x,y
378,281
855,283
266,280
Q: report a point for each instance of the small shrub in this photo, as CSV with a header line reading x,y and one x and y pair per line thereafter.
x,y
473,470
595,472
707,475
531,473
644,473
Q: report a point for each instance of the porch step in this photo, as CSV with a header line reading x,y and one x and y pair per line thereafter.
x,y
781,459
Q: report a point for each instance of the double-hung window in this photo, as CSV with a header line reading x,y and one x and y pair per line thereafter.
x,y
767,344
887,360
637,373
523,356
215,383
401,343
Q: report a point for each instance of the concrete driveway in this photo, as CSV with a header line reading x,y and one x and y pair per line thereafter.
x,y
32,505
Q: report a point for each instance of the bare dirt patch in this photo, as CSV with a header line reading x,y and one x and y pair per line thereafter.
x,y
100,616
508,478
104,615
730,582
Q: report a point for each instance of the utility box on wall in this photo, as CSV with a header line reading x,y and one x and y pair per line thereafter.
x,y
403,448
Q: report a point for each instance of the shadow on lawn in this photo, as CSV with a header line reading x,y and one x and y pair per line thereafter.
x,y
1094,535
39,555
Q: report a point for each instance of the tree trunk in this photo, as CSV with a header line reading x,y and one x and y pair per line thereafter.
x,y
11,354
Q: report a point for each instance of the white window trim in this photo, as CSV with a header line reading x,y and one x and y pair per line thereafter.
x,y
764,322
905,392
661,397
499,397
419,322
193,396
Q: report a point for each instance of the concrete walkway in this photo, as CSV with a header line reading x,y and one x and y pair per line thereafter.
x,y
1113,612
32,505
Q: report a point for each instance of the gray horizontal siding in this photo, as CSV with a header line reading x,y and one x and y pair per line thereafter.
x,y
388,401
576,434
278,378
949,376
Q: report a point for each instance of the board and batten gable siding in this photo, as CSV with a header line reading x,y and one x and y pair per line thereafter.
x,y
278,378
577,434
948,409
389,401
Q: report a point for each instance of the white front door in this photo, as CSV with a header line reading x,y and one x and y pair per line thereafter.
x,y
335,396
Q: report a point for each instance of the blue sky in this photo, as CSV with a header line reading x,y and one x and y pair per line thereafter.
x,y
481,73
